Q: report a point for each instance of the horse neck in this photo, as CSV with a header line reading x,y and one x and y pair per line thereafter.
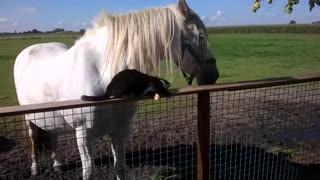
x,y
99,43
142,45
95,49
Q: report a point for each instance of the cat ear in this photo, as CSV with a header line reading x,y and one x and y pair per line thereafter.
x,y
165,82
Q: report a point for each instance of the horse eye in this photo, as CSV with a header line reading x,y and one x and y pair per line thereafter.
x,y
201,36
185,37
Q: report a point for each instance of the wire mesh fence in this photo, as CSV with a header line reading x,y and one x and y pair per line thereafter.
x,y
256,131
265,133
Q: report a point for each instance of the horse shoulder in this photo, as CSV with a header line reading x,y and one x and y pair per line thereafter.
x,y
89,60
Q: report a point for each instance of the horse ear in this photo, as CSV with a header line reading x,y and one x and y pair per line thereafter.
x,y
183,7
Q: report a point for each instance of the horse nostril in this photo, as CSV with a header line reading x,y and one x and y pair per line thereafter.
x,y
208,75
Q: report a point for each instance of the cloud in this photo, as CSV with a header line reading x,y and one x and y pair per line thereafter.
x,y
60,23
29,10
7,21
219,13
15,23
4,20
74,26
8,25
84,24
80,24
210,20
120,12
269,13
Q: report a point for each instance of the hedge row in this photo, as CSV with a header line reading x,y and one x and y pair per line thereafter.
x,y
292,28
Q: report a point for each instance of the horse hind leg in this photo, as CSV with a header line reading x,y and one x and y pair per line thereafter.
x,y
42,143
53,151
118,151
33,135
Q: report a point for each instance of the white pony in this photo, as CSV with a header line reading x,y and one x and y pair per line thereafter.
x,y
51,72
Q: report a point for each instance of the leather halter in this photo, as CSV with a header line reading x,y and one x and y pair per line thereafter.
x,y
200,64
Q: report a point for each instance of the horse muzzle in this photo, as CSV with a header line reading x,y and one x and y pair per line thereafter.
x,y
208,74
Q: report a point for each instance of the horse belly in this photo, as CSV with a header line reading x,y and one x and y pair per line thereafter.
x,y
50,121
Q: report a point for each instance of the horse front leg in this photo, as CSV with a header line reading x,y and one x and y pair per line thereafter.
x,y
118,151
84,147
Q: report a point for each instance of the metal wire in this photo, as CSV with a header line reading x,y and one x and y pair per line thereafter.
x,y
265,133
257,133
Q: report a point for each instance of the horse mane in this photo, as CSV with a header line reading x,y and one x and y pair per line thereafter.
x,y
139,40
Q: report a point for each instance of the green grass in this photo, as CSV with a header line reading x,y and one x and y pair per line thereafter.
x,y
239,57
255,56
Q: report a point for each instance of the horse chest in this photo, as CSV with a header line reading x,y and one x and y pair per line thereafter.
x,y
112,119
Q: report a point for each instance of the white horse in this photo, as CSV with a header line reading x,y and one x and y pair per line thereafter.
x,y
51,72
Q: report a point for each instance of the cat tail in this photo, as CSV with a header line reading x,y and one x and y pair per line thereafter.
x,y
97,98
92,98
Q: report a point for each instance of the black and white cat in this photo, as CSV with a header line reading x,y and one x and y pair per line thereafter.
x,y
133,83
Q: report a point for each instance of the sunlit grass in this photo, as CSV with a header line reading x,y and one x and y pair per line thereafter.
x,y
239,57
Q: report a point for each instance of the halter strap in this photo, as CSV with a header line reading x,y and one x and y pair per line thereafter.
x,y
200,64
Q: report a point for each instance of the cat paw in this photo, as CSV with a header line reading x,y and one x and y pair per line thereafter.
x,y
156,97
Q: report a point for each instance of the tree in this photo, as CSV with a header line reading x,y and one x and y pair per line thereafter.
x,y
82,31
35,31
57,30
292,22
289,6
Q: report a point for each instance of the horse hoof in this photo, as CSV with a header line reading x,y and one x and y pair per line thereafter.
x,y
34,170
34,173
57,169
57,166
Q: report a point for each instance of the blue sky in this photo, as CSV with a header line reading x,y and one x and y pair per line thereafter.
x,y
23,15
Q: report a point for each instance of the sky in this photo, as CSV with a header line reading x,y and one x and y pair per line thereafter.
x,y
44,15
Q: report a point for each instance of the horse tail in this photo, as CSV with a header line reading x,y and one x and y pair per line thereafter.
x,y
44,144
41,139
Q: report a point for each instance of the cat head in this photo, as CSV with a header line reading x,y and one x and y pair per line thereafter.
x,y
165,83
160,86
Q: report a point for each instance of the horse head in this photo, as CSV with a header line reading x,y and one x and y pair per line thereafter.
x,y
196,58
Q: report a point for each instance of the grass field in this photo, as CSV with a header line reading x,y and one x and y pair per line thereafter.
x,y
240,57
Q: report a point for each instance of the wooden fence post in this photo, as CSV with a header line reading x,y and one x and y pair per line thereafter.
x,y
203,145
